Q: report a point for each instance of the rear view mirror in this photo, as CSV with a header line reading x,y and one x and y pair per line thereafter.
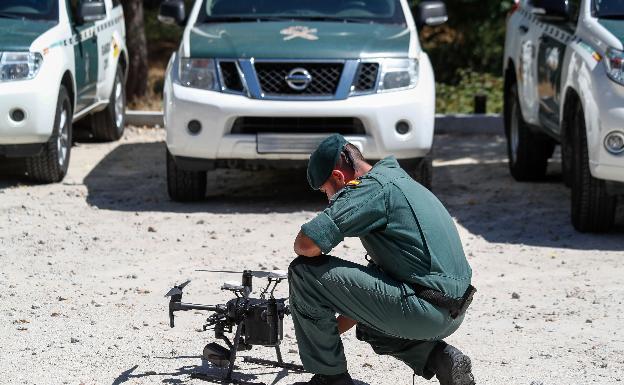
x,y
172,12
555,10
90,11
431,13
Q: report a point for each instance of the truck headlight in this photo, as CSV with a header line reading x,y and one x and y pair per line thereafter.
x,y
398,74
198,73
614,63
19,65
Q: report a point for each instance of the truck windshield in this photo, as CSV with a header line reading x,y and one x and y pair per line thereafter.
x,y
609,9
32,9
358,11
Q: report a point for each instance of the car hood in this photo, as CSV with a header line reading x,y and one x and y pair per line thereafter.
x,y
298,40
18,34
616,27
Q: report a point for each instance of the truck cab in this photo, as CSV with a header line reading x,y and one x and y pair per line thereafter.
x,y
564,85
261,83
61,61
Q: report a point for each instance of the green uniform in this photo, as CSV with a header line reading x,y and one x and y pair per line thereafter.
x,y
410,239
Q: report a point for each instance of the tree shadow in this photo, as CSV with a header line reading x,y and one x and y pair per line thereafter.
x,y
132,177
475,185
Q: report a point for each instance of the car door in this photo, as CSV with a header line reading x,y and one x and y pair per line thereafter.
x,y
552,45
86,59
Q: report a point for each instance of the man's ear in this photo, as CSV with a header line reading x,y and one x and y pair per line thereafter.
x,y
339,175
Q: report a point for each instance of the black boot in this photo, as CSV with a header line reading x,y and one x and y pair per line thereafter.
x,y
451,366
323,379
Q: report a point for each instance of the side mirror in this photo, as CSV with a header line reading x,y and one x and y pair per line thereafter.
x,y
554,10
172,12
90,11
431,13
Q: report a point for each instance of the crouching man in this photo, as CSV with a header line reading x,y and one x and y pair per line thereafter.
x,y
412,294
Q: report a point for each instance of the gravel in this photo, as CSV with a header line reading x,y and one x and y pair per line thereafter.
x,y
85,265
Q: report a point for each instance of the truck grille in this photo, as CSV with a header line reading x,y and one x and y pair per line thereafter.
x,y
366,77
256,125
324,82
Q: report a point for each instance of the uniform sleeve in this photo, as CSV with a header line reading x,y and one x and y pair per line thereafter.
x,y
356,212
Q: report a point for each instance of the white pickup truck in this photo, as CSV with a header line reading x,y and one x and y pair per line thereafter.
x,y
564,84
261,83
60,61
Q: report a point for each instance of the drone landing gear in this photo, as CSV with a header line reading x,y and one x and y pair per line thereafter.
x,y
276,364
221,357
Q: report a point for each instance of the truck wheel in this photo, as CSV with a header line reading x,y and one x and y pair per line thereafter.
x,y
567,157
420,170
184,185
528,152
51,164
108,124
593,210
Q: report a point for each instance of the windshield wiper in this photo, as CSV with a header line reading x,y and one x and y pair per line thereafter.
x,y
231,19
336,19
9,15
612,17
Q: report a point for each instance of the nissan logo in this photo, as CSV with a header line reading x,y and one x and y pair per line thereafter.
x,y
298,79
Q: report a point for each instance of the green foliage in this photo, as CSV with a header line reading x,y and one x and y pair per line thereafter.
x,y
156,32
473,38
459,98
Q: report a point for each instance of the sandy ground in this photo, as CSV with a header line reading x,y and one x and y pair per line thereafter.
x,y
85,265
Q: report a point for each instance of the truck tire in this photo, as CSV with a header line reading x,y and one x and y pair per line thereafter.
x,y
567,157
50,165
108,125
421,171
593,210
528,151
184,185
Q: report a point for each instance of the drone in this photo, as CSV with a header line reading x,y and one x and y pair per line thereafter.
x,y
254,321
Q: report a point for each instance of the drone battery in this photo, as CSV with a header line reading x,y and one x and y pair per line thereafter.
x,y
260,327
216,354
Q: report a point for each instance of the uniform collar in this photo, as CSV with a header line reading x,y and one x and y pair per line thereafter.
x,y
389,161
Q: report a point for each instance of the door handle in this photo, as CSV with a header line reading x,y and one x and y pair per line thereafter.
x,y
523,29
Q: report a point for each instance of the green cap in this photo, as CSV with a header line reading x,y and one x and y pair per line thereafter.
x,y
324,158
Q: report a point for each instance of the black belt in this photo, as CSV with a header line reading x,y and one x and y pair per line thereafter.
x,y
455,306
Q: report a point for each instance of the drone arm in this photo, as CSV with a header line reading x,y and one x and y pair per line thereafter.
x,y
181,306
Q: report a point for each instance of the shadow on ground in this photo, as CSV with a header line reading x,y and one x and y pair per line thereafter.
x,y
473,181
181,375
133,178
184,374
470,177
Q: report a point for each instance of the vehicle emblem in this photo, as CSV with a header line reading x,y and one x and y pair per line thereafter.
x,y
298,79
299,31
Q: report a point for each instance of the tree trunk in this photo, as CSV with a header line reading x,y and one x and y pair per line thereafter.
x,y
136,85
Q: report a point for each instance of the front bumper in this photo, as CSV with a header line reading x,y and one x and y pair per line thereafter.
x,y
378,113
37,101
604,113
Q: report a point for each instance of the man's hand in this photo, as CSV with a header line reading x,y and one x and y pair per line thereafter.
x,y
344,323
306,246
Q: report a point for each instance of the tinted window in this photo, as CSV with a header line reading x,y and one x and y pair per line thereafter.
x,y
575,6
608,8
382,11
33,9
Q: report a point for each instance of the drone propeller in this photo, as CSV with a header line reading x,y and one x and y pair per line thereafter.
x,y
275,274
177,290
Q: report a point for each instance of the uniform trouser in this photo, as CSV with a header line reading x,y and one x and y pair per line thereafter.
x,y
390,317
